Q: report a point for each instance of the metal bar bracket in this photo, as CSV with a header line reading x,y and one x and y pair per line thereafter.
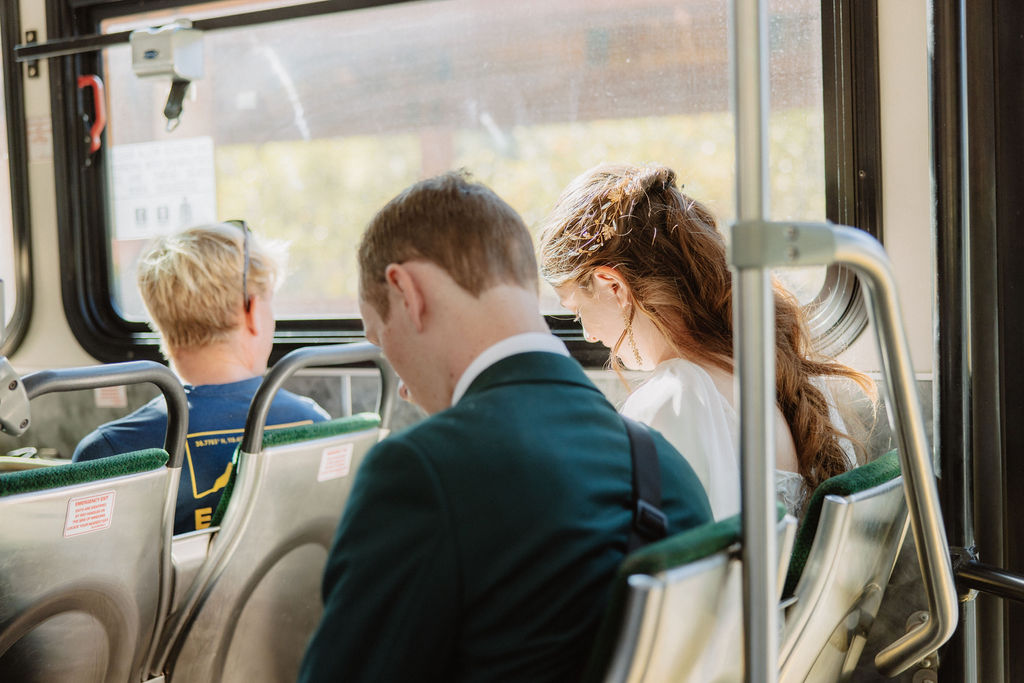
x,y
14,408
32,66
766,244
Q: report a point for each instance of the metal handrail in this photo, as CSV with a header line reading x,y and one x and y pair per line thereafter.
x,y
977,576
316,356
757,246
754,352
866,257
807,244
120,374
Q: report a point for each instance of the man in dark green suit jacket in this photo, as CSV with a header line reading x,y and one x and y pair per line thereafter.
x,y
480,544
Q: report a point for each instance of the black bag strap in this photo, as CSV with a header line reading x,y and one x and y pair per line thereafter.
x,y
649,522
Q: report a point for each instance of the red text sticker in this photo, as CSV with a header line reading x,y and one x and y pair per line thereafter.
x,y
335,462
89,513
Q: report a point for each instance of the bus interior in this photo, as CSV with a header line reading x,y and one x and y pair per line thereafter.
x,y
860,151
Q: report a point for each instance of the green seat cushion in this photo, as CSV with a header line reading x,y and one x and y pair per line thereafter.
x,y
290,435
676,551
875,473
46,478
320,430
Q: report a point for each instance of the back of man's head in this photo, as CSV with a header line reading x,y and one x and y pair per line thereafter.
x,y
459,225
192,282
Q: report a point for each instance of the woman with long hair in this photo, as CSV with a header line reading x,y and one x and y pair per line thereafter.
x,y
644,268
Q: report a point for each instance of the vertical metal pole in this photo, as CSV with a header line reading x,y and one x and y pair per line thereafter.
x,y
953,433
754,347
346,395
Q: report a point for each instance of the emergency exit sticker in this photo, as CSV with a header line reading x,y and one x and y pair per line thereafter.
x,y
89,513
111,397
335,462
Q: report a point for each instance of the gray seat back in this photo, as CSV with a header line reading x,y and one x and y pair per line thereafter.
x,y
81,570
256,598
841,587
685,622
84,548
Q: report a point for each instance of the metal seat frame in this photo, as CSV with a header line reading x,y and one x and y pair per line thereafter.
x,y
685,624
87,605
256,597
840,590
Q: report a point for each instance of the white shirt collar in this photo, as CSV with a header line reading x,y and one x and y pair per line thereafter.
x,y
510,346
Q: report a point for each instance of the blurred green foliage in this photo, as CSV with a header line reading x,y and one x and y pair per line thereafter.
x,y
319,194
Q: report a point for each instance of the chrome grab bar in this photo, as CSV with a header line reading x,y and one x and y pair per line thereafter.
x,y
805,244
865,256
753,352
316,356
120,374
757,246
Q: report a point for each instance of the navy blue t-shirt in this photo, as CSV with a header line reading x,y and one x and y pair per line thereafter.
x,y
216,419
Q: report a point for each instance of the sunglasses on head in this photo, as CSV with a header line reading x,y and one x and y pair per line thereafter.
x,y
245,252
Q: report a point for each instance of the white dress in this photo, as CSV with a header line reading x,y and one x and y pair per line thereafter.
x,y
682,401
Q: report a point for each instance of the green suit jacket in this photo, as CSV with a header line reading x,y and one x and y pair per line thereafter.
x,y
480,544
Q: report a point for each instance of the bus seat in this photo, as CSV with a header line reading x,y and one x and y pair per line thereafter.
x,y
190,550
84,548
255,615
676,609
844,553
188,553
256,599
80,570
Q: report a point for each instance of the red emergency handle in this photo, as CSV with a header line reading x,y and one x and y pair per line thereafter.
x,y
99,106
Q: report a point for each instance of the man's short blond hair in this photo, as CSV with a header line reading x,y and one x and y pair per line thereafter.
x,y
191,282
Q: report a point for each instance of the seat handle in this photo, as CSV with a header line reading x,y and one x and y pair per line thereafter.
x,y
119,374
775,244
863,254
316,356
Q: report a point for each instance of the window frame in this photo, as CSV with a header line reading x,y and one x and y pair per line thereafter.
x,y
852,169
853,161
17,149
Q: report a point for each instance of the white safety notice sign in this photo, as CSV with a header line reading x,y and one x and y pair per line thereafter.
x,y
89,513
162,187
335,462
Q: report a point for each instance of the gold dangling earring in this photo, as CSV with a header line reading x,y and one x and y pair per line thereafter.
x,y
632,340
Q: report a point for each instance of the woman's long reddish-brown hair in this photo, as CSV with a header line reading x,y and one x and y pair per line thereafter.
x,y
669,251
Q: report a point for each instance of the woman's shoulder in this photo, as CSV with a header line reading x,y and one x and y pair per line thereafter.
x,y
678,376
678,385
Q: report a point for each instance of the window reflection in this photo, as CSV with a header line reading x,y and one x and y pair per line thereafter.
x,y
307,126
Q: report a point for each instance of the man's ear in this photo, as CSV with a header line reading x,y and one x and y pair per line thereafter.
x,y
608,282
253,323
404,289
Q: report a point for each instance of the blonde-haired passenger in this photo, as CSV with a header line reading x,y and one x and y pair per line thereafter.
x,y
208,291
644,268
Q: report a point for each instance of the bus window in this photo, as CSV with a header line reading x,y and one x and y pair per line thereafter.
x,y
304,127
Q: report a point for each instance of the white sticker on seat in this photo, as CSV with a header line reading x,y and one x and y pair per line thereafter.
x,y
89,513
335,462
